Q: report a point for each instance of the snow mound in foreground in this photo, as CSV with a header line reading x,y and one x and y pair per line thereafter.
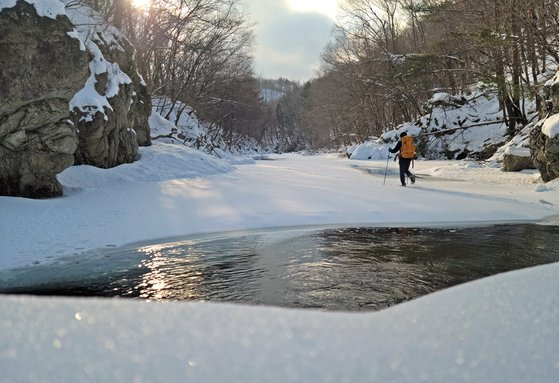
x,y
499,329
159,162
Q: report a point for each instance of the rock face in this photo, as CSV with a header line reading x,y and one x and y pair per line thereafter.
x,y
111,113
69,93
42,67
138,102
545,153
544,139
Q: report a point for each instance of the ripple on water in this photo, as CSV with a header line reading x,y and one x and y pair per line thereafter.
x,y
333,269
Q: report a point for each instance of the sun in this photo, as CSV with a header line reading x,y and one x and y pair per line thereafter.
x,y
326,7
139,3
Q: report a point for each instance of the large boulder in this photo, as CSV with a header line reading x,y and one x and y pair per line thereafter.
x,y
42,67
515,154
69,93
545,148
516,159
111,112
545,136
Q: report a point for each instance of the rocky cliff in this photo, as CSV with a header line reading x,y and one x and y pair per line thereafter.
x,y
544,139
111,112
42,67
69,93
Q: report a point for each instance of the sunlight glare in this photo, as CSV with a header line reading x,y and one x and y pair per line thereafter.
x,y
326,7
139,3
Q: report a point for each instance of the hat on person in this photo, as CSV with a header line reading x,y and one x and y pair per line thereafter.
x,y
403,134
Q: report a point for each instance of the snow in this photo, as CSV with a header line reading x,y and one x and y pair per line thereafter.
x,y
181,125
271,95
92,32
152,167
497,329
370,151
88,100
549,187
160,126
518,152
44,8
551,126
7,4
500,329
175,191
519,145
440,97
48,8
478,110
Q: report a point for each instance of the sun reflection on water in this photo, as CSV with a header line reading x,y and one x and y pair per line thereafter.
x,y
170,272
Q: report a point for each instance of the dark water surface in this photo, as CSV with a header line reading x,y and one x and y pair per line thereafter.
x,y
333,269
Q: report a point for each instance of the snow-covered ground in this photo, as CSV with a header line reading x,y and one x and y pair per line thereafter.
x,y
499,329
174,191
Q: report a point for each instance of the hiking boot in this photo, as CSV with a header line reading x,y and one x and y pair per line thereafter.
x,y
412,178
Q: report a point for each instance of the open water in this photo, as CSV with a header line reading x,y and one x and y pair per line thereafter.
x,y
350,269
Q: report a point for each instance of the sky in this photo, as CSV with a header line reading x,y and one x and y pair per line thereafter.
x,y
290,36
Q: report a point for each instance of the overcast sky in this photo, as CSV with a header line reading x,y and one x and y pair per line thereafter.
x,y
290,35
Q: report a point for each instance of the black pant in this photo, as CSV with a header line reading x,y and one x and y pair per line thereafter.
x,y
404,169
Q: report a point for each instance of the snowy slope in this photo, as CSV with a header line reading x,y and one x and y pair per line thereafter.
x,y
501,329
271,95
442,133
177,123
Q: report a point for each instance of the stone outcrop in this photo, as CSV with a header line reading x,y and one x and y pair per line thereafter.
x,y
515,154
543,145
112,126
516,160
545,153
70,93
139,99
42,67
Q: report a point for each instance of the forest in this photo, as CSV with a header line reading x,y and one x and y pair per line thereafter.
x,y
385,59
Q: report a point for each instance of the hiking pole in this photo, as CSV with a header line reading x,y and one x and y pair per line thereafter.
x,y
386,170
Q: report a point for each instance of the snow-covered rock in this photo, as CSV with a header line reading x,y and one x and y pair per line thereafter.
x,y
545,137
515,155
69,92
516,159
42,67
457,127
111,112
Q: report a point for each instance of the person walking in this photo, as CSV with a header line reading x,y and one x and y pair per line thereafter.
x,y
407,151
